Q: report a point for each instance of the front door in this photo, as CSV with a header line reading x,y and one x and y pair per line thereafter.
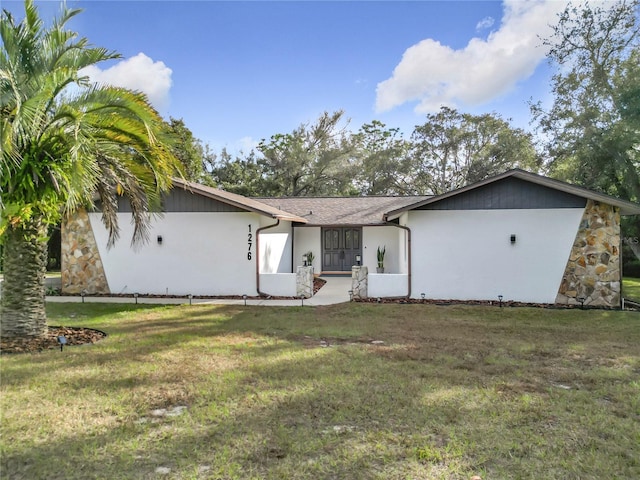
x,y
340,245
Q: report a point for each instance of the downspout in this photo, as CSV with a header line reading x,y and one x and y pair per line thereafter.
x,y
258,231
408,230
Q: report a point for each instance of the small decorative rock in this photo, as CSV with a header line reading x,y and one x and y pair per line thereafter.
x,y
377,342
163,470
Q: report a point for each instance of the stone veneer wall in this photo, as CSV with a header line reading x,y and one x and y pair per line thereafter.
x,y
82,268
593,269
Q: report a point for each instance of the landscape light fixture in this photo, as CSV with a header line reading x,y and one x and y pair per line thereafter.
x,y
135,295
351,295
62,340
190,299
82,294
302,300
159,238
500,297
423,295
581,300
244,297
379,300
304,260
513,238
358,260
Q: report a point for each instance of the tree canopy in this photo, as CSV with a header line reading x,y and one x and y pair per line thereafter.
x,y
592,130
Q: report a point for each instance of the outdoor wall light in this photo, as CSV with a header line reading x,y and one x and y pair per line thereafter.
x,y
159,239
500,297
358,259
513,238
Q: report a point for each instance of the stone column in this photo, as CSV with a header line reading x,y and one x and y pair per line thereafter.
x,y
304,282
82,268
592,274
359,282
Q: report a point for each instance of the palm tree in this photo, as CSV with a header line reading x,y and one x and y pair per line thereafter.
x,y
65,143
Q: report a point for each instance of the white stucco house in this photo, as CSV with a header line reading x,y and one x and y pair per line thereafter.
x,y
518,235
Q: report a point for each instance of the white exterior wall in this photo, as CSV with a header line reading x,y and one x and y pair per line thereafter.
x,y
372,238
467,255
275,247
200,254
403,237
308,239
278,284
388,285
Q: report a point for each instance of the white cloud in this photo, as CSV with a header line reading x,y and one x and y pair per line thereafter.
x,y
486,22
434,74
246,144
139,73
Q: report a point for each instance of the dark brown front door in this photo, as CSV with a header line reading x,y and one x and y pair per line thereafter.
x,y
340,245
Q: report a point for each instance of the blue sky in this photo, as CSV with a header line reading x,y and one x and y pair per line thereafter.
x,y
237,72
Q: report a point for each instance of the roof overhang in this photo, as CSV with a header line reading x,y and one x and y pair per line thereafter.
x,y
626,207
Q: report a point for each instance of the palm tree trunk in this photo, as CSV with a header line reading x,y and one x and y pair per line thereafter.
x,y
22,312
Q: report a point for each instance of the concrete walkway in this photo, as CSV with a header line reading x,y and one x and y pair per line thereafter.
x,y
336,290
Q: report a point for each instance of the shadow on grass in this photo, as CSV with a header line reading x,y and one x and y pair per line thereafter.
x,y
282,393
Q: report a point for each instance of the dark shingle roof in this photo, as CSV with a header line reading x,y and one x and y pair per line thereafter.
x,y
341,210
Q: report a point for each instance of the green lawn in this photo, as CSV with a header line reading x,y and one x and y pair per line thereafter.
x,y
632,288
302,393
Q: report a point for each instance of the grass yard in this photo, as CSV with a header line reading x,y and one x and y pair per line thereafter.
x,y
302,393
631,288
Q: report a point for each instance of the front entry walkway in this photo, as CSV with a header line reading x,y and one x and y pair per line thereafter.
x,y
336,290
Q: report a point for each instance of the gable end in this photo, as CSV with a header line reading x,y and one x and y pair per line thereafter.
x,y
181,200
509,193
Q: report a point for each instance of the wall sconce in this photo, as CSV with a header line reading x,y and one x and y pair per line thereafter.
x,y
358,260
513,238
159,239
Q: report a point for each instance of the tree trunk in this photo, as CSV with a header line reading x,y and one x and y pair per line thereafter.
x,y
22,312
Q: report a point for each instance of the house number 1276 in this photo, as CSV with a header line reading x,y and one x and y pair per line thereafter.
x,y
250,242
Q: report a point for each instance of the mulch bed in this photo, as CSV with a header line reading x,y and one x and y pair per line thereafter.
x,y
74,336
318,283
